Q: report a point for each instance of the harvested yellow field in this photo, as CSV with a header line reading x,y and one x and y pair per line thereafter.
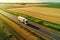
x,y
49,14
19,5
10,5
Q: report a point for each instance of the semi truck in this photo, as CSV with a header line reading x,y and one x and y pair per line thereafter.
x,y
22,19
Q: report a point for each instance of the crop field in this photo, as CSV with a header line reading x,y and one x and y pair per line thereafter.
x,y
19,5
48,14
5,32
44,21
51,6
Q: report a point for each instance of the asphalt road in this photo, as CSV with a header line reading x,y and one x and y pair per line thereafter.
x,y
46,33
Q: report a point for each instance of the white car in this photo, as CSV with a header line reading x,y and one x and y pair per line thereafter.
x,y
22,19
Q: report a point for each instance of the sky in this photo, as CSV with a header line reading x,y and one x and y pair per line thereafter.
x,y
28,1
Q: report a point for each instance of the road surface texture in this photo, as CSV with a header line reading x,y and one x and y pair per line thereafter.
x,y
49,14
46,33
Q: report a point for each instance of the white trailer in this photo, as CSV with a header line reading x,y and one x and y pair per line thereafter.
x,y
22,19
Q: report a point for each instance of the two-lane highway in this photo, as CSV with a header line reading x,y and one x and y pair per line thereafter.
x,y
47,34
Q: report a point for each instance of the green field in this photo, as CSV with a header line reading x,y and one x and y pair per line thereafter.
x,y
52,5
39,21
